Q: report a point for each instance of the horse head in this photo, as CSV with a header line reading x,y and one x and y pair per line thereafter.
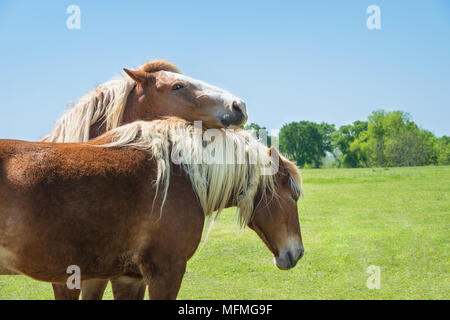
x,y
167,92
275,217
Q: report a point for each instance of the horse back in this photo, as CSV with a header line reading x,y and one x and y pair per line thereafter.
x,y
69,197
36,163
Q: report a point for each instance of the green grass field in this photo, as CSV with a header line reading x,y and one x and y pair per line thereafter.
x,y
397,219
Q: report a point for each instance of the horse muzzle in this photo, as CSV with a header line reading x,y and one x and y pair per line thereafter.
x,y
237,117
288,258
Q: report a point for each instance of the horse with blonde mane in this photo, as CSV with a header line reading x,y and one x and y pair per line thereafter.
x,y
157,89
120,205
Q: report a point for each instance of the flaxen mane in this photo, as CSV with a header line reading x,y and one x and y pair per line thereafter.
x,y
215,184
106,103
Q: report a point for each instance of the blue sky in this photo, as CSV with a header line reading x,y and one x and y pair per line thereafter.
x,y
289,60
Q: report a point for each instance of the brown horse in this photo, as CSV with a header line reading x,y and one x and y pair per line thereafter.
x,y
120,205
155,90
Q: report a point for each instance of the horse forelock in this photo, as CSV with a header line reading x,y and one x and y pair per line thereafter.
x,y
159,65
216,185
104,105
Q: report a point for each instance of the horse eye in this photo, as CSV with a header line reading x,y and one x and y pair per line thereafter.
x,y
294,198
177,86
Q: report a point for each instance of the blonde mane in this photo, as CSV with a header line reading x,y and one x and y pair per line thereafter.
x,y
216,185
105,103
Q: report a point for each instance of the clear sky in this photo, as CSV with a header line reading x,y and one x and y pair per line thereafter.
x,y
289,60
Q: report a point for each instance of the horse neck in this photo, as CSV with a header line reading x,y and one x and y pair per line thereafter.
x,y
96,130
134,110
138,107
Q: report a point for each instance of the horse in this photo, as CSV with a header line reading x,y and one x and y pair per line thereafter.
x,y
120,205
156,89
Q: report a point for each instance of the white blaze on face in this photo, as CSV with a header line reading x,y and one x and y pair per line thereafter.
x,y
221,96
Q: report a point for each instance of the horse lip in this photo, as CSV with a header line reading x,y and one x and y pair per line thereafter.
x,y
275,262
225,123
282,268
287,262
233,121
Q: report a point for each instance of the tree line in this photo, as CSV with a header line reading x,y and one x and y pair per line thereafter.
x,y
386,139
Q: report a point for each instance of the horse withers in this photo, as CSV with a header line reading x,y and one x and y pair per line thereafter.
x,y
95,205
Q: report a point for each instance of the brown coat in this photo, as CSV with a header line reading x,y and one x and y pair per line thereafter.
x,y
66,204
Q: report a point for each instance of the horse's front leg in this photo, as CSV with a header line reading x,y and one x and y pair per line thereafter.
x,y
93,289
163,278
61,292
127,288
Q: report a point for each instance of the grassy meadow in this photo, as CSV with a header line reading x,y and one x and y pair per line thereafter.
x,y
396,218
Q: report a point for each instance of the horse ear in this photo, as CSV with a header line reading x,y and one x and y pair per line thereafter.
x,y
138,76
272,152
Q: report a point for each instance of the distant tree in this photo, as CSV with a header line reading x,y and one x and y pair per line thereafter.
x,y
443,150
306,142
327,130
258,129
343,140
386,139
377,132
410,146
393,139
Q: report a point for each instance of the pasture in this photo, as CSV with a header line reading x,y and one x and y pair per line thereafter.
x,y
396,218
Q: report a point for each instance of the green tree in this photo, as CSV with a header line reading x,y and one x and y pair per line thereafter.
x,y
258,129
443,150
410,146
393,139
306,142
343,139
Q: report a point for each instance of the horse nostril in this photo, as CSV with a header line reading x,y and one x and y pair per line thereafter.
x,y
237,107
291,259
